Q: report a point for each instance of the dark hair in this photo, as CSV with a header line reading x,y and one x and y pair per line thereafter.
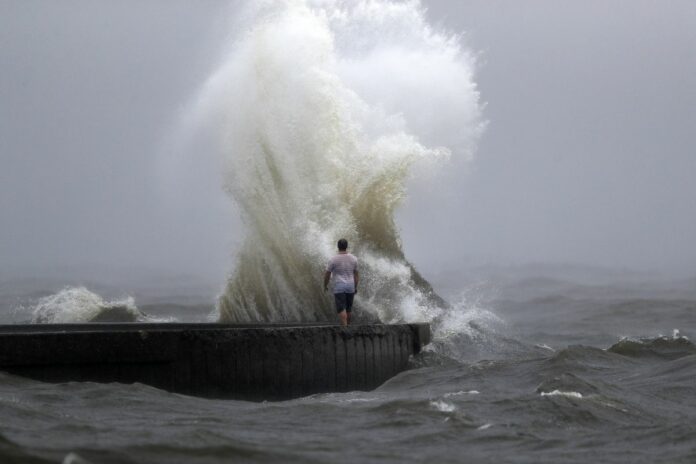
x,y
342,244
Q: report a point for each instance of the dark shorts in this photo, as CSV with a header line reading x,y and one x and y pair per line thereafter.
x,y
344,301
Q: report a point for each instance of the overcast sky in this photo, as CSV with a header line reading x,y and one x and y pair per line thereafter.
x,y
590,153
588,156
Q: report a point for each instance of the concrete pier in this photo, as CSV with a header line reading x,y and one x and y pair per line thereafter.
x,y
249,362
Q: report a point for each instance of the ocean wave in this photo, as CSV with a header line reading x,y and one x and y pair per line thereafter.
x,y
674,347
578,358
79,305
323,111
567,382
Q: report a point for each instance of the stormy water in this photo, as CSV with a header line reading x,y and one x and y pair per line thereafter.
x,y
547,365
322,114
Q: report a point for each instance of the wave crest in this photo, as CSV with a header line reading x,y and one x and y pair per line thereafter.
x,y
663,347
322,109
77,304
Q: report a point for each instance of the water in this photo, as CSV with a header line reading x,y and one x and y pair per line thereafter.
x,y
547,370
323,111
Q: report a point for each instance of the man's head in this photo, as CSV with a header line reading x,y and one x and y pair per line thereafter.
x,y
342,244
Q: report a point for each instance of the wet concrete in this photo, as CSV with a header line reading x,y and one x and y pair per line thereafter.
x,y
250,362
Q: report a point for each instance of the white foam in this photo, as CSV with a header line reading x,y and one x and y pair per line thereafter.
x,y
460,393
77,304
443,406
570,394
323,109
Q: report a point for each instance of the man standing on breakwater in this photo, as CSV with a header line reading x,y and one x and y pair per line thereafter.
x,y
344,268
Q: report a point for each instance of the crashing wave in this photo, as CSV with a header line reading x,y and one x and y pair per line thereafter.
x,y
323,108
77,304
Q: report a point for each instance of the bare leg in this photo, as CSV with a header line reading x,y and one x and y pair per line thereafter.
x,y
344,317
348,318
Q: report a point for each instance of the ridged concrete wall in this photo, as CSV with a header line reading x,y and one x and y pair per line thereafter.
x,y
223,361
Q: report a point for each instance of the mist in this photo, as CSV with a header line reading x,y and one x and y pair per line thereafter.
x,y
587,155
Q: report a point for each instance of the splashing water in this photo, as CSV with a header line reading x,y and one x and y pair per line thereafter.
x,y
323,109
77,304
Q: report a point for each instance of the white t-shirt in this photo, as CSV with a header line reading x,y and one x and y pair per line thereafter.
x,y
342,266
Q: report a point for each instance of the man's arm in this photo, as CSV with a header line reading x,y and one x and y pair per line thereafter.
x,y
327,277
356,279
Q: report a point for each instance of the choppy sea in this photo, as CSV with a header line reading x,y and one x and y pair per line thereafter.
x,y
546,369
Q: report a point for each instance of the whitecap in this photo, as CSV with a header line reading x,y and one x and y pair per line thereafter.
x,y
570,394
461,393
443,406
79,305
544,346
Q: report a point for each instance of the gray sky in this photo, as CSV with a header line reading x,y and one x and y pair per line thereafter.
x,y
590,153
588,156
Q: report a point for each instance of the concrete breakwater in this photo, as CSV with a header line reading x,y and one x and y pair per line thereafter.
x,y
250,362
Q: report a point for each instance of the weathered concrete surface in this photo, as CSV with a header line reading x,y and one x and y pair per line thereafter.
x,y
268,362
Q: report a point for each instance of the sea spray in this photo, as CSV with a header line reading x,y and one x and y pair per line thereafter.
x,y
322,109
80,305
77,304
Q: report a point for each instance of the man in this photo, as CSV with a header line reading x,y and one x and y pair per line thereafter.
x,y
344,268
